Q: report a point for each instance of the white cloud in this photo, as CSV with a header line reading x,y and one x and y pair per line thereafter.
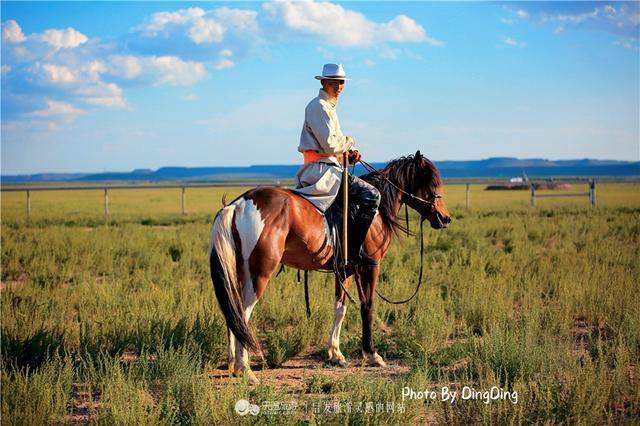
x,y
58,74
206,31
339,26
93,69
158,69
369,62
224,64
189,98
572,19
509,41
201,26
126,66
103,94
65,75
5,69
238,19
160,20
63,39
225,61
621,19
57,108
22,52
403,29
334,23
40,122
173,70
83,82
11,32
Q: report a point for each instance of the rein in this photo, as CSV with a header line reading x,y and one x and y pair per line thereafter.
x,y
372,169
400,302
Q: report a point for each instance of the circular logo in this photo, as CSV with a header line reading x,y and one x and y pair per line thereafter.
x,y
242,407
254,409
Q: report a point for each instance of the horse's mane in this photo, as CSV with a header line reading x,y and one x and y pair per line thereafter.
x,y
410,173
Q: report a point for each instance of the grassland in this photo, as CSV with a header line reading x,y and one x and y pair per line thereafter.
x,y
115,322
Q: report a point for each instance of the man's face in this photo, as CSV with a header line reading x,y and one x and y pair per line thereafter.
x,y
333,87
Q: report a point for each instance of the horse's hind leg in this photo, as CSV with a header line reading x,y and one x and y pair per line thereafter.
x,y
231,350
241,366
340,309
260,237
262,263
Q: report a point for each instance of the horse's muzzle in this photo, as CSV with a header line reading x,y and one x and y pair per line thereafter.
x,y
439,221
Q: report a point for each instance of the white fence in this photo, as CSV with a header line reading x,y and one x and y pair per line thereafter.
x,y
468,182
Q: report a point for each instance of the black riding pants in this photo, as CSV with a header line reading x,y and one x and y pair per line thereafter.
x,y
364,200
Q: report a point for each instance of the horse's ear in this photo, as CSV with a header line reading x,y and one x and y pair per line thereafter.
x,y
418,156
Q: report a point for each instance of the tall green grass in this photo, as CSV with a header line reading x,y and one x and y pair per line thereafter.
x,y
121,317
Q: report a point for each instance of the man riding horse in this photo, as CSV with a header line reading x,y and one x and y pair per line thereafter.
x,y
322,143
268,226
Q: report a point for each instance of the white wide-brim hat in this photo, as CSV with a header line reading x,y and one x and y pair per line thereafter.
x,y
332,72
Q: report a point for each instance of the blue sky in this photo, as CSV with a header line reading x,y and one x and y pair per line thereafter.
x,y
97,86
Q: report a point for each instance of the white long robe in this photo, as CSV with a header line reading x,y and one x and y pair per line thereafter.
x,y
319,181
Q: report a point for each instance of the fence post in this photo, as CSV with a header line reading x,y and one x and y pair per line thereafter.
x,y
592,192
184,201
28,203
106,203
467,195
533,194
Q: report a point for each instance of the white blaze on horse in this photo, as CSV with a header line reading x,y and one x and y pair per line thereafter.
x,y
267,226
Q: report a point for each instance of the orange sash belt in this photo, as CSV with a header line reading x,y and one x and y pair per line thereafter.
x,y
310,156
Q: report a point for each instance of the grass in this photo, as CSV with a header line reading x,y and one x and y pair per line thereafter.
x,y
116,322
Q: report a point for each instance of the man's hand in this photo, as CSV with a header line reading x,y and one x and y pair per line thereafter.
x,y
353,156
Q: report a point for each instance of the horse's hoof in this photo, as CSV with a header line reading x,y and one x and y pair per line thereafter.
x,y
248,375
251,378
339,362
374,360
336,358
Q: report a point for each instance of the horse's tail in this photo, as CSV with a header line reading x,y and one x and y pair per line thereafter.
x,y
222,259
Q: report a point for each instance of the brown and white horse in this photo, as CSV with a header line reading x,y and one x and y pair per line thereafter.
x,y
267,226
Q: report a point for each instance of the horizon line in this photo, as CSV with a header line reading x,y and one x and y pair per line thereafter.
x,y
299,164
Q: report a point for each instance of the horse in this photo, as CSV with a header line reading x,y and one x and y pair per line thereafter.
x,y
268,226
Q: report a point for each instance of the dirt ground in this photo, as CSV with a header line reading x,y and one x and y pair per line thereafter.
x,y
291,376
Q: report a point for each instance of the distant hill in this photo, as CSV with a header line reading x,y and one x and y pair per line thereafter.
x,y
491,167
509,162
44,177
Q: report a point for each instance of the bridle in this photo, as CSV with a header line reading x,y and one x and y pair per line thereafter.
x,y
432,201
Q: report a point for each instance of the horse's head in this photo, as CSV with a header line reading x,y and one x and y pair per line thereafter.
x,y
426,186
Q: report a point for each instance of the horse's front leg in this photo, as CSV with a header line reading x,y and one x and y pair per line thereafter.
x,y
368,277
340,309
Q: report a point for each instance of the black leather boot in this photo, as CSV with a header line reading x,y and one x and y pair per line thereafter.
x,y
364,200
358,233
